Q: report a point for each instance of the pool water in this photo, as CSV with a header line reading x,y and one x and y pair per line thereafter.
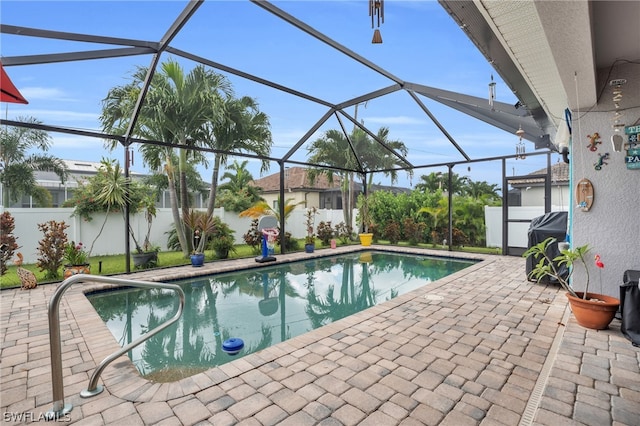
x,y
261,306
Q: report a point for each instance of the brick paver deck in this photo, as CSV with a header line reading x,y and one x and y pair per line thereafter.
x,y
480,347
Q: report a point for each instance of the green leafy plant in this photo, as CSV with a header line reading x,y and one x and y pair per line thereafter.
x,y
52,247
74,254
202,226
547,266
392,232
364,213
310,215
8,243
253,237
414,231
344,232
223,245
325,232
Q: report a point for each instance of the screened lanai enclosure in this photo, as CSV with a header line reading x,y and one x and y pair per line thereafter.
x,y
310,67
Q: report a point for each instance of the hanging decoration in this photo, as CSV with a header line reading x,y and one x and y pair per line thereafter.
x,y
520,145
584,194
601,161
632,159
376,9
594,141
492,92
616,139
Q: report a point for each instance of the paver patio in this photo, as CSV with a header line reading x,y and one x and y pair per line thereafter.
x,y
480,347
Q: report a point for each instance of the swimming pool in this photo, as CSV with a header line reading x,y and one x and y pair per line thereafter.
x,y
263,306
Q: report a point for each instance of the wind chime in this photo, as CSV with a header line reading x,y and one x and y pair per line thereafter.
x,y
492,92
376,8
616,139
520,145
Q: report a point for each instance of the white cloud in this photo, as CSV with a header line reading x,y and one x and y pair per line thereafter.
x,y
45,93
52,116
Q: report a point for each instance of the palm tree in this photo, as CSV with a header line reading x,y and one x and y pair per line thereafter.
x,y
331,148
17,167
377,158
237,194
177,109
239,128
262,208
435,181
481,190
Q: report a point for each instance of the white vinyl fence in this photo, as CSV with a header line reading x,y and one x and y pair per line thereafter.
x,y
112,238
518,232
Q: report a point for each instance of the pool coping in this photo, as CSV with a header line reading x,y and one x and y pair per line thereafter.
x,y
123,379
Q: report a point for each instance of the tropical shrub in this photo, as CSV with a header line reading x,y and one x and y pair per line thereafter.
x,y
414,231
51,248
392,232
253,237
74,254
290,243
7,240
325,232
459,237
344,233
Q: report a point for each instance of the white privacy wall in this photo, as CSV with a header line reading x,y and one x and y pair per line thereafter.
x,y
112,238
612,226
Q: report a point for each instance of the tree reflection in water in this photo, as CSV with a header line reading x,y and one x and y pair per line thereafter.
x,y
244,305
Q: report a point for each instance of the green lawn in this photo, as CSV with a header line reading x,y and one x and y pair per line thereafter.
x,y
115,264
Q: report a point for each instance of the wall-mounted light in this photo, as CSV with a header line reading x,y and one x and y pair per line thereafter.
x,y
376,9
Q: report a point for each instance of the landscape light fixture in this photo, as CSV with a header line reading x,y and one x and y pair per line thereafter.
x,y
376,8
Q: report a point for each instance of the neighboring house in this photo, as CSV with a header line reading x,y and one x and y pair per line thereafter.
x,y
531,190
78,171
320,193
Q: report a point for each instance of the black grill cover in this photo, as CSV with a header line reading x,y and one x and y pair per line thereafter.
x,y
630,306
552,224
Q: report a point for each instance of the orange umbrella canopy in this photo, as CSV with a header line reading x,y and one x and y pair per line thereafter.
x,y
9,91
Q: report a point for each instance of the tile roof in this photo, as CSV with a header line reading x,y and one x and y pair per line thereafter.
x,y
559,175
296,179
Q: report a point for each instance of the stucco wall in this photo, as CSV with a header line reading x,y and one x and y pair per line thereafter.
x,y
612,226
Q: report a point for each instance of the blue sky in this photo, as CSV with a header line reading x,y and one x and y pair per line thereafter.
x,y
422,44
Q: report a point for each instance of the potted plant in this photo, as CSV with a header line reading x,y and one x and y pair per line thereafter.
x,y
146,255
592,310
364,220
76,260
201,226
223,245
310,239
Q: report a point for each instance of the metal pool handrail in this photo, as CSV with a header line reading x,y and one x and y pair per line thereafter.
x,y
60,409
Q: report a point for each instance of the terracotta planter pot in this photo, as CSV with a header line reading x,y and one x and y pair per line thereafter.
x,y
70,270
594,314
